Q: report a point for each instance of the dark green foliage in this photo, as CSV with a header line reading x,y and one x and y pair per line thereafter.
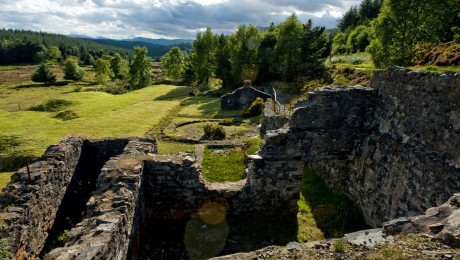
x,y
139,69
312,45
52,105
214,132
349,19
202,58
223,65
72,71
402,25
255,109
44,74
18,46
119,67
173,64
116,88
360,15
66,115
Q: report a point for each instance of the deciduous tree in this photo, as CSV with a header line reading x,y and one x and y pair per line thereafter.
x,y
403,24
203,56
139,69
103,71
72,71
173,63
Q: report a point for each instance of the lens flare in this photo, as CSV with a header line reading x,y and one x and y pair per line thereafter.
x,y
212,213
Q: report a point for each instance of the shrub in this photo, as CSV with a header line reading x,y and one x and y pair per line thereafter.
x,y
255,109
116,88
214,132
66,115
339,246
226,121
78,88
52,105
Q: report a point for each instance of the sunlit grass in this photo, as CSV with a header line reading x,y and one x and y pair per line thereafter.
x,y
4,179
100,115
165,147
356,60
228,165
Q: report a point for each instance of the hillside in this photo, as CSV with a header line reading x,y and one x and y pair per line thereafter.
x,y
20,46
154,50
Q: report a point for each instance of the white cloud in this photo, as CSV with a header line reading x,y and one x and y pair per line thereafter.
x,y
161,18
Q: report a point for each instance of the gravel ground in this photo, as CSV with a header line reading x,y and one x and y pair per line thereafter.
x,y
418,247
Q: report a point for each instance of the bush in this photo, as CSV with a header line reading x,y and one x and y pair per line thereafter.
x,y
214,132
255,109
66,115
52,105
116,88
226,121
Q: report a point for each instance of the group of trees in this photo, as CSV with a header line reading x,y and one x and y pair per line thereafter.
x,y
402,25
290,51
390,30
133,75
19,46
354,27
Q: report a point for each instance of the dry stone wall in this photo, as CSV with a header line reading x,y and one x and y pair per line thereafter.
x,y
392,148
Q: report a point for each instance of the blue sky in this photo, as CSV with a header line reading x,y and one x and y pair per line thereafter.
x,y
161,18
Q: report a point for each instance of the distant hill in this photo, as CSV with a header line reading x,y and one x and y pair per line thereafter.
x,y
154,50
163,42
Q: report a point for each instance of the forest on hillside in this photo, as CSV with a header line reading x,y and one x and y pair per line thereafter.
x,y
20,46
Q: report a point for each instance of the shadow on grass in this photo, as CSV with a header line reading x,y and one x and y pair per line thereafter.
x,y
334,213
175,94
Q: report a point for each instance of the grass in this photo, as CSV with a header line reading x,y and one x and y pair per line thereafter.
x,y
227,165
356,60
100,115
323,213
165,147
5,178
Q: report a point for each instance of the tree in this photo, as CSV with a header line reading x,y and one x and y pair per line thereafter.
x,y
54,54
358,39
223,65
288,47
103,71
349,19
202,58
339,44
119,67
243,53
312,45
44,74
72,71
267,56
139,69
403,24
173,63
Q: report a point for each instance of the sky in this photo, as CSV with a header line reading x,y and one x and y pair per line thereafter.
x,y
170,19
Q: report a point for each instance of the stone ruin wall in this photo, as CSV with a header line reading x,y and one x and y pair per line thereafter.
x,y
392,148
122,192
